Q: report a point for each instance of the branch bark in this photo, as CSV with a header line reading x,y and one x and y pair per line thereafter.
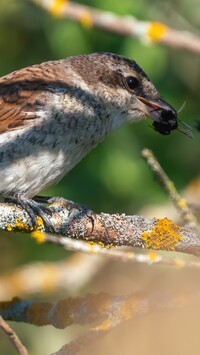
x,y
109,230
181,205
123,25
102,312
21,350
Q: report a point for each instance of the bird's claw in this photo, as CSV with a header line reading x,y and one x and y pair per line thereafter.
x,y
34,209
70,205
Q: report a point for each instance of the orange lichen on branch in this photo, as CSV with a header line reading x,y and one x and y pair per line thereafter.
x,y
56,6
180,263
102,309
156,30
128,308
9,228
39,236
129,254
22,226
164,235
86,19
152,256
105,325
182,203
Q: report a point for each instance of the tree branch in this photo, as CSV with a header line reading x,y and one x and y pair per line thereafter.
x,y
181,204
13,337
123,25
91,308
109,230
69,275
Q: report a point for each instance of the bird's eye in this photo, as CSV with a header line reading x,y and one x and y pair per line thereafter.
x,y
132,82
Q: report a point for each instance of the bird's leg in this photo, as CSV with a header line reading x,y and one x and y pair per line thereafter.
x,y
36,206
42,199
70,205
33,208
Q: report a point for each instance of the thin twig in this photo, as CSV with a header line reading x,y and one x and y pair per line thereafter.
x,y
121,255
71,275
123,25
180,203
13,337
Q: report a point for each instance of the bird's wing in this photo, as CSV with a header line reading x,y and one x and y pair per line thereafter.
x,y
16,106
24,95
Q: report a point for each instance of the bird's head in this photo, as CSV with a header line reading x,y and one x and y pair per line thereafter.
x,y
126,88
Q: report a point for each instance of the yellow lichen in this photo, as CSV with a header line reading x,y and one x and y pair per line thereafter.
x,y
180,263
182,203
164,235
39,236
58,203
9,228
152,256
93,242
101,244
156,30
40,223
111,245
105,325
86,19
129,255
56,7
128,308
23,226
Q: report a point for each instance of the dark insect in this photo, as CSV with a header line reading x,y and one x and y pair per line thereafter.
x,y
167,123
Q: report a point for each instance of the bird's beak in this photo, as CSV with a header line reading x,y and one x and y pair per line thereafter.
x,y
164,116
153,109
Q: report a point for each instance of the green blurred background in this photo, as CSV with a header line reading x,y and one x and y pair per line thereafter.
x,y
112,178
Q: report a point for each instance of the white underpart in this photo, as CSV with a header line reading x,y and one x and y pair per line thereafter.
x,y
26,170
41,153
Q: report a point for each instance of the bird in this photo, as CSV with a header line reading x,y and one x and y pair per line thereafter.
x,y
54,113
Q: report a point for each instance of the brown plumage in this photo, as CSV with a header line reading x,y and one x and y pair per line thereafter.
x,y
54,113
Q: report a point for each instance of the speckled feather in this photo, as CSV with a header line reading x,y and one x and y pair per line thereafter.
x,y
54,113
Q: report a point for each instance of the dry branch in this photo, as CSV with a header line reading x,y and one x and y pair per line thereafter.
x,y
123,25
21,350
101,311
75,272
91,308
109,230
69,275
181,204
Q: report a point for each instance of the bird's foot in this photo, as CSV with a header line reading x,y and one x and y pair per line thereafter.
x,y
36,207
33,209
70,205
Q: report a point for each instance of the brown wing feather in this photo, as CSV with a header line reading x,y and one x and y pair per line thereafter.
x,y
13,106
24,92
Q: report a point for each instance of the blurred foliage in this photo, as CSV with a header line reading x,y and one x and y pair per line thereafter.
x,y
114,176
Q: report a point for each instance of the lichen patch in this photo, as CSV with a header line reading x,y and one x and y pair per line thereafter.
x,y
164,235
